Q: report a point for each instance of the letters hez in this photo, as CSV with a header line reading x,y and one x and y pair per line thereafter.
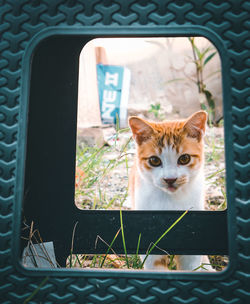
x,y
109,95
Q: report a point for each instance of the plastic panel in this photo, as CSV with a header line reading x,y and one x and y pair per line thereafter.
x,y
25,23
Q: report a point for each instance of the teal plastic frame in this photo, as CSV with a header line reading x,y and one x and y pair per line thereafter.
x,y
24,24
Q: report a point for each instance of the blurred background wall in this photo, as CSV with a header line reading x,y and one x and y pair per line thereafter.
x,y
163,72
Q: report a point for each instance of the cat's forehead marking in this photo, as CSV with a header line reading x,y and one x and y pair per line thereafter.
x,y
174,141
171,135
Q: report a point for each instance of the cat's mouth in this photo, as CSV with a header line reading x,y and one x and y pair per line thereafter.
x,y
172,188
171,184
169,188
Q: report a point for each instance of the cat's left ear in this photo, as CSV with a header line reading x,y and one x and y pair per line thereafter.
x,y
142,131
196,125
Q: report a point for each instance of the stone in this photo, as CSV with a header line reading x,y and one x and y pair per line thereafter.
x,y
91,137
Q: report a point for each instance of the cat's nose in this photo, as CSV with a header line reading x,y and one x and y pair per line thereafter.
x,y
170,181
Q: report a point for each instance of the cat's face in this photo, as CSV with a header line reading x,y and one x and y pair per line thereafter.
x,y
170,153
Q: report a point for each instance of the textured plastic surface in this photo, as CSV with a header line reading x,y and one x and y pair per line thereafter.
x,y
50,165
23,25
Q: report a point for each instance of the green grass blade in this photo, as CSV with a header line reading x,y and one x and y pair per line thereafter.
x,y
198,53
174,80
202,266
138,246
44,281
110,246
162,236
209,58
79,261
72,245
94,261
215,173
123,239
123,130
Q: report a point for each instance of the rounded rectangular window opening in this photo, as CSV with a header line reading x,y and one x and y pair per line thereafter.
x,y
154,79
151,78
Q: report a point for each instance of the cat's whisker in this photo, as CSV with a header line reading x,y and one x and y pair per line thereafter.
x,y
181,181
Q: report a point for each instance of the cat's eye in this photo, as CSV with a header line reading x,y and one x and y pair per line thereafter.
x,y
154,161
184,159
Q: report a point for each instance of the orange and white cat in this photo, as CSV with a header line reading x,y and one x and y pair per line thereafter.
x,y
168,171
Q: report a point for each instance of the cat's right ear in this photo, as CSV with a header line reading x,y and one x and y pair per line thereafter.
x,y
196,125
141,130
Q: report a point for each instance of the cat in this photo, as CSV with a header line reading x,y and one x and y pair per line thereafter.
x,y
168,172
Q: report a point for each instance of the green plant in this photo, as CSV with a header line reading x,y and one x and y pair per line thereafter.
x,y
218,180
28,300
215,177
124,261
162,236
157,111
123,239
109,248
201,58
95,170
72,245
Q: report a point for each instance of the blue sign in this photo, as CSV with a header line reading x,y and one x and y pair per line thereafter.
x,y
113,89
